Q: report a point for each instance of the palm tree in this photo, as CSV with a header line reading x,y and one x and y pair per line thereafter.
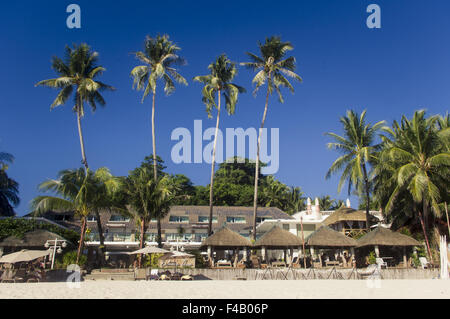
x,y
9,188
358,148
105,187
296,200
160,60
275,193
217,83
145,198
272,67
78,71
417,160
75,192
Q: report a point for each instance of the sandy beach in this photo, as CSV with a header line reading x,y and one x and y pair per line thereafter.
x,y
301,289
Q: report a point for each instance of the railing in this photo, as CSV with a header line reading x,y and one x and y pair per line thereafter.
x,y
116,237
354,233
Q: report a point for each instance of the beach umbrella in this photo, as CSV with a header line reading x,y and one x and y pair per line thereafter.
x,y
150,250
24,255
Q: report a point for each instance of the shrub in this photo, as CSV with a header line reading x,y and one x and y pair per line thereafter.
x,y
69,258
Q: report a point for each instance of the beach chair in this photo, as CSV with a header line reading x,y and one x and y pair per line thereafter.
x,y
154,275
424,263
381,263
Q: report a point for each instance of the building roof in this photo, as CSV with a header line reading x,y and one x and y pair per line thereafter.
x,y
347,214
225,237
36,238
278,238
385,237
327,237
272,212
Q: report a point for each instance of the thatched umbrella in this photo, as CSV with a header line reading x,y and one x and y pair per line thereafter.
x,y
226,239
278,239
325,237
381,236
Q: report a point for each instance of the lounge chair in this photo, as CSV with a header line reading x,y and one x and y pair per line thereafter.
x,y
371,271
187,277
424,263
154,275
381,263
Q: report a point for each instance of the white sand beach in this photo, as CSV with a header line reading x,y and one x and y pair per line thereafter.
x,y
300,289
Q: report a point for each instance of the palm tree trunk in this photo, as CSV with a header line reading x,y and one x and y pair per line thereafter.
x,y
142,241
425,235
366,185
155,164
255,196
80,245
212,169
80,133
102,249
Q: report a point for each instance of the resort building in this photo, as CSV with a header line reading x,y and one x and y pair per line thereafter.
x,y
184,226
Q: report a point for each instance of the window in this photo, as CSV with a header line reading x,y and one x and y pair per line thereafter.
x,y
261,219
180,237
286,226
118,218
205,219
236,220
179,219
91,218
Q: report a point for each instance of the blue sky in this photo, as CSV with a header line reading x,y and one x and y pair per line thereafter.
x,y
391,71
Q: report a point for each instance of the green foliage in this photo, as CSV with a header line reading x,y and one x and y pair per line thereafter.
x,y
69,258
77,73
18,227
199,262
160,60
9,188
372,258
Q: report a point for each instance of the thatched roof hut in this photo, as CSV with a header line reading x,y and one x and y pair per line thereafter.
x,y
385,237
344,214
327,237
36,238
226,238
278,238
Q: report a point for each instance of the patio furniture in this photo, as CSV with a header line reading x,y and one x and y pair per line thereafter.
x,y
187,277
424,263
381,263
370,271
223,264
332,263
154,275
278,264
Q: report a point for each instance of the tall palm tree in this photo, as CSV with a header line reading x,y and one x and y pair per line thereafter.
x,y
78,72
272,68
217,83
9,188
160,60
358,148
145,198
417,160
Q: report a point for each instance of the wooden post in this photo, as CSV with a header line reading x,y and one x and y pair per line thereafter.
x,y
353,260
405,260
245,254
291,256
377,251
303,242
448,224
263,253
